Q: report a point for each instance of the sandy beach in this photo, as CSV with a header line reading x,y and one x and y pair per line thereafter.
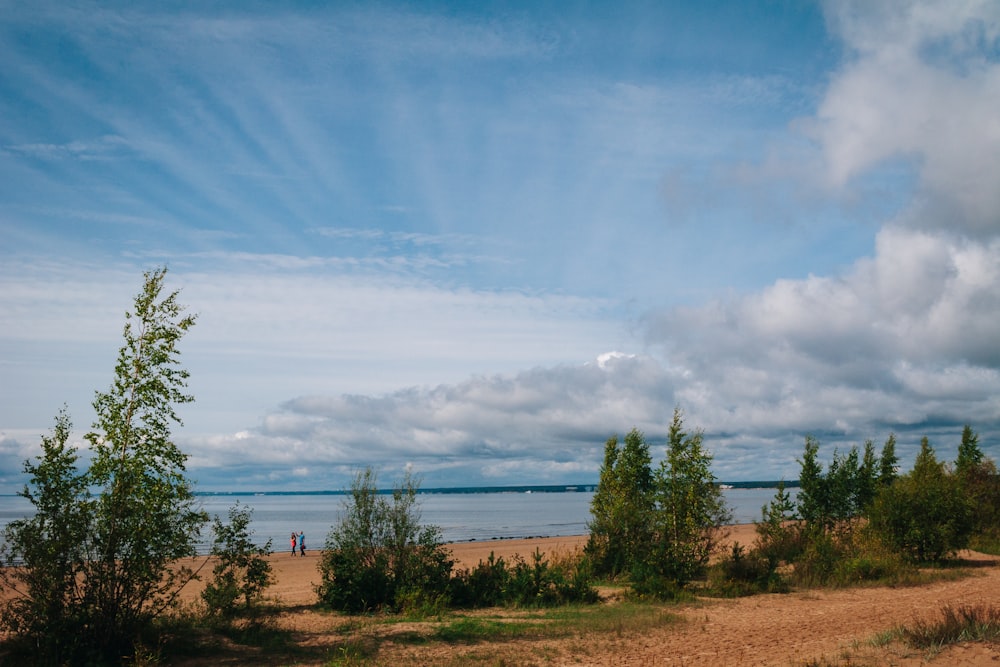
x,y
778,630
296,576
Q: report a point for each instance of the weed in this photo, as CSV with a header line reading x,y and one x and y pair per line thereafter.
x,y
956,624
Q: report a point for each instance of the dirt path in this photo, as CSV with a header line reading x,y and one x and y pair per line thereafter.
x,y
795,628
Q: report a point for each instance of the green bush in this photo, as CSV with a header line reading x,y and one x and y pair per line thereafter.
x,y
354,581
779,533
242,572
649,583
742,573
541,583
925,515
379,554
818,560
482,586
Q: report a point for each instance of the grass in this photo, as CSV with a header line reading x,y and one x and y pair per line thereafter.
x,y
975,623
494,637
954,625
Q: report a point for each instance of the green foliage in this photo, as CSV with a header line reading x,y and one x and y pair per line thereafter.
x,y
978,478
97,551
44,553
925,515
659,527
482,586
779,536
743,572
812,496
847,558
541,583
965,623
145,515
379,553
868,478
844,492
970,456
888,462
859,556
690,509
622,507
242,572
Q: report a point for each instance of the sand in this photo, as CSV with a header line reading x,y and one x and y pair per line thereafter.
x,y
813,627
779,630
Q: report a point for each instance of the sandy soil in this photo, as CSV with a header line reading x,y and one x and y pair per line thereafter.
x,y
793,629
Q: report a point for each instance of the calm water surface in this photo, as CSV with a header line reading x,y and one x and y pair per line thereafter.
x,y
462,517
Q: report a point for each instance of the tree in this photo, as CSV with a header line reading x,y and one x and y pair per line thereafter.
x,y
97,553
690,508
145,516
242,571
812,498
888,462
48,550
977,475
776,538
842,481
833,499
620,529
970,456
379,552
867,478
924,514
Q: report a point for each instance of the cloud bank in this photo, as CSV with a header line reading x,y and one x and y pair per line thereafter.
x,y
414,239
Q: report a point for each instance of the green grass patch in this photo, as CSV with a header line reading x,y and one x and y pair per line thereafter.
x,y
956,624
986,543
558,622
474,630
617,618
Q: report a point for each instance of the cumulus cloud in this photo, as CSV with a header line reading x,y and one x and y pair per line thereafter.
x,y
907,338
904,341
529,426
921,83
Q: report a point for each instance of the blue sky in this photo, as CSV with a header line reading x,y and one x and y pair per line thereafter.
x,y
480,241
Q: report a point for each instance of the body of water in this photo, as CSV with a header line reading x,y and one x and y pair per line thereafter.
x,y
462,516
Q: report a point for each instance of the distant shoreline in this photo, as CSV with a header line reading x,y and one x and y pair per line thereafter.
x,y
522,488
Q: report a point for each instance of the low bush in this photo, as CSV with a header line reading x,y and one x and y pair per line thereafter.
x,y
379,556
963,623
541,583
242,571
742,573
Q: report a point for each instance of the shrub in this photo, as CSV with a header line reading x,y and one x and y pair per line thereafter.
x,y
541,583
648,582
869,559
379,553
242,570
483,585
742,573
926,514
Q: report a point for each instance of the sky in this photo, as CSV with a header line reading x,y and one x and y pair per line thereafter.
x,y
476,240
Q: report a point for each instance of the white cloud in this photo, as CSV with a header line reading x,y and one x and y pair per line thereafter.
x,y
540,423
922,83
909,336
